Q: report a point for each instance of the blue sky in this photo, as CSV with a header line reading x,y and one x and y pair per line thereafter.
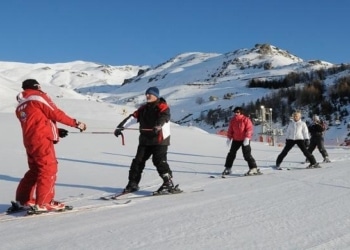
x,y
142,32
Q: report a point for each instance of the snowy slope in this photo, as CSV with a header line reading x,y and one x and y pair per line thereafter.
x,y
298,209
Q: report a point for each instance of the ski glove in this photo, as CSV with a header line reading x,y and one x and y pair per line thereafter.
x,y
307,142
246,142
118,131
81,126
228,142
62,132
157,129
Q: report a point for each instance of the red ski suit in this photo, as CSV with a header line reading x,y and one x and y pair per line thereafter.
x,y
38,116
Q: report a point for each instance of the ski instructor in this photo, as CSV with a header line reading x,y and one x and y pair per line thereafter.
x,y
38,116
154,139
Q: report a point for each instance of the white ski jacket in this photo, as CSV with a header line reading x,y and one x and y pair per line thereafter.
x,y
297,131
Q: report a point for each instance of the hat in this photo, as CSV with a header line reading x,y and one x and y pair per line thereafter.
x,y
238,109
30,84
316,118
153,91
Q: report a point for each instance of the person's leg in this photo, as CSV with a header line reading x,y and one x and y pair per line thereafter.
x,y
247,155
308,155
160,162
289,145
26,187
322,149
313,144
46,163
136,168
231,156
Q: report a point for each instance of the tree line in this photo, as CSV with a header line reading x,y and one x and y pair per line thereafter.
x,y
303,91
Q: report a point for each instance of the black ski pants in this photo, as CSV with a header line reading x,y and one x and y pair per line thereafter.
x,y
289,145
247,155
317,141
159,159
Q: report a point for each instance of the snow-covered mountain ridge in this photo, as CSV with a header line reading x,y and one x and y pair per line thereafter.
x,y
192,83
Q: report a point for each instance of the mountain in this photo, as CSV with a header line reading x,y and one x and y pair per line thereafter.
x,y
192,83
213,76
70,80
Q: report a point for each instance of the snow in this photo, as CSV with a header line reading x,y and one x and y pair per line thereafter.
x,y
297,209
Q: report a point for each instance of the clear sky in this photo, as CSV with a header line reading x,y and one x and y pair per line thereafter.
x,y
139,32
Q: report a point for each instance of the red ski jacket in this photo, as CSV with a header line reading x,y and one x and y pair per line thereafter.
x,y
38,116
240,128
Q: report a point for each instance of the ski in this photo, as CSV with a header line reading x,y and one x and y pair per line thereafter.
x,y
318,166
176,190
233,175
225,176
25,214
70,209
313,167
15,208
157,194
280,168
306,168
15,211
241,175
114,196
258,173
119,195
123,193
32,211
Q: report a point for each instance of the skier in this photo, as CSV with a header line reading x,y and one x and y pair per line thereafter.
x,y
38,116
240,132
316,130
154,123
297,133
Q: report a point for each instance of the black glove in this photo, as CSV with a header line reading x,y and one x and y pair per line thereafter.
x,y
156,129
62,132
118,131
307,142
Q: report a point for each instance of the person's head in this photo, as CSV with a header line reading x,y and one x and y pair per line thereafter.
x,y
238,111
296,116
30,84
152,94
316,118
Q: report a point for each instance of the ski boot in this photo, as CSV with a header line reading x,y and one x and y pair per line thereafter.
x,y
278,167
253,171
316,165
227,171
326,160
167,187
131,187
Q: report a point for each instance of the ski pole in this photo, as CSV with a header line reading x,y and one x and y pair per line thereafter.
x,y
139,129
91,132
109,132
